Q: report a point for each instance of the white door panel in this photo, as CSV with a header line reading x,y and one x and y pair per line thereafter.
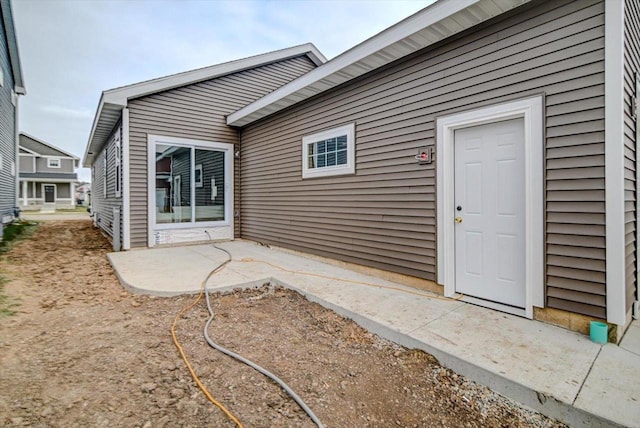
x,y
490,202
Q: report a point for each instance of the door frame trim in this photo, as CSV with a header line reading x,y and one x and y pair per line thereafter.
x,y
529,109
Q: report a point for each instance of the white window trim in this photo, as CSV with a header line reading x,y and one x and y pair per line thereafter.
x,y
49,160
530,110
152,140
104,174
348,168
118,165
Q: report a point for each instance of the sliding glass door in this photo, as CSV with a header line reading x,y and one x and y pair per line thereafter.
x,y
190,184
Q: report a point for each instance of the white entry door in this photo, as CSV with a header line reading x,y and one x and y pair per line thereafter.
x,y
490,212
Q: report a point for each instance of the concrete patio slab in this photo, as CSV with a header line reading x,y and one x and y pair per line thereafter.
x,y
539,365
612,389
532,354
631,339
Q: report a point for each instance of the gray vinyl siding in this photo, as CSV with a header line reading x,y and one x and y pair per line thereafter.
x,y
196,111
7,131
384,216
26,164
66,165
103,207
631,69
63,190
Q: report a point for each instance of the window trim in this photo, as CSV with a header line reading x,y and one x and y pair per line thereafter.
x,y
49,165
104,173
327,171
118,167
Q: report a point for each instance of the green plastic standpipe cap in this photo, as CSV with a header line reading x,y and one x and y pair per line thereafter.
x,y
598,332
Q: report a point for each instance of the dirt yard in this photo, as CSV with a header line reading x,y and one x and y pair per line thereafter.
x,y
83,352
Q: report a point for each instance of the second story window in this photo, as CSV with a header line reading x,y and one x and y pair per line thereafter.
x,y
53,162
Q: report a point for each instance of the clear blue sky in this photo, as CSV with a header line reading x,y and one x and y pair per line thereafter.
x,y
72,50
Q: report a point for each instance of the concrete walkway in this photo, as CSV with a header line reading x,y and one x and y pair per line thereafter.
x,y
552,370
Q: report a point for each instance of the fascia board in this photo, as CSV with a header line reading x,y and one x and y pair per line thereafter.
x,y
32,153
14,53
120,96
425,18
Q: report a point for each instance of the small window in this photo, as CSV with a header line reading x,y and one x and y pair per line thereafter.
x,y
330,152
104,174
117,160
13,169
1,78
1,162
53,163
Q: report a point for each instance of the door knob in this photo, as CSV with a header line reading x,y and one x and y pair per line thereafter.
x,y
458,219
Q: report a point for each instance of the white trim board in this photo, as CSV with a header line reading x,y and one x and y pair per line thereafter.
x,y
113,100
430,25
530,109
126,180
614,160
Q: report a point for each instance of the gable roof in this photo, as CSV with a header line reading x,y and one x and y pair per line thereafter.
x,y
41,148
112,101
432,24
12,42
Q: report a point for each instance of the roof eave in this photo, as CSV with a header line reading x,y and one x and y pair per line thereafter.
x,y
118,98
14,55
101,120
432,24
124,93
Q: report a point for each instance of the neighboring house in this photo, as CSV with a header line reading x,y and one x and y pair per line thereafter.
x,y
474,148
11,86
47,177
83,193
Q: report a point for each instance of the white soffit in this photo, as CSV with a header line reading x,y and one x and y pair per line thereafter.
x,y
112,101
442,19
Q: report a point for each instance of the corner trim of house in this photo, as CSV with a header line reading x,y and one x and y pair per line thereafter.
x,y
614,161
151,213
531,110
17,149
126,191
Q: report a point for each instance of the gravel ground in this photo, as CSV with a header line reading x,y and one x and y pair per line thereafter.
x,y
83,352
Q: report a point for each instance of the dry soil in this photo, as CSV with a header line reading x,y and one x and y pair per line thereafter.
x,y
83,352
